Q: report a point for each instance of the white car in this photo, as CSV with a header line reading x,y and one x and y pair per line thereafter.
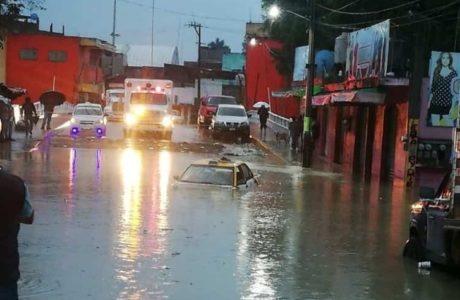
x,y
88,117
232,119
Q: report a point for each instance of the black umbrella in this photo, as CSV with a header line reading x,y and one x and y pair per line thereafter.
x,y
52,98
11,92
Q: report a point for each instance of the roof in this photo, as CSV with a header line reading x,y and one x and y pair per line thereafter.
x,y
231,105
88,104
220,163
140,55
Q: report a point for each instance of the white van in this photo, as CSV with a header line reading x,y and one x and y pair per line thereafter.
x,y
147,107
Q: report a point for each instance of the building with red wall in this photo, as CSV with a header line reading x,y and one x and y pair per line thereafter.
x,y
42,61
262,77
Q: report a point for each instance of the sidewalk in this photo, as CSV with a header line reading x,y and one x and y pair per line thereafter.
x,y
23,142
283,151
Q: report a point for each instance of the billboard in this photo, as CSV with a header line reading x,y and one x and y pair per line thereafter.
x,y
443,96
367,52
300,70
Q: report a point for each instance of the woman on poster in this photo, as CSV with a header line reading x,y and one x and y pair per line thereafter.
x,y
441,103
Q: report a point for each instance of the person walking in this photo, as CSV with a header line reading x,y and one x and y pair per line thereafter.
x,y
15,208
49,109
263,117
4,117
11,122
28,111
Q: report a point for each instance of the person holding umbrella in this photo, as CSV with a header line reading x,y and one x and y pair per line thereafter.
x,y
263,117
50,100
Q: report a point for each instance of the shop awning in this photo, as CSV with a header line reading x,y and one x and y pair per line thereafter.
x,y
322,100
372,96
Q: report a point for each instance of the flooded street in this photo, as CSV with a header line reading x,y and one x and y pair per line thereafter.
x,y
111,224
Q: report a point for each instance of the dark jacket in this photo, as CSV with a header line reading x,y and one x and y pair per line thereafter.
x,y
263,114
28,109
13,194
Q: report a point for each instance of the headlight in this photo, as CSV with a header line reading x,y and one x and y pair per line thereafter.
x,y
72,120
140,111
130,119
244,124
101,121
167,121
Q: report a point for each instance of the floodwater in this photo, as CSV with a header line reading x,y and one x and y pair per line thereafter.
x,y
111,224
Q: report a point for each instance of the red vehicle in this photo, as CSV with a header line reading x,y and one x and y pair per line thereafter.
x,y
209,105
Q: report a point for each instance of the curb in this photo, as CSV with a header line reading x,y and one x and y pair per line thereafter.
x,y
261,145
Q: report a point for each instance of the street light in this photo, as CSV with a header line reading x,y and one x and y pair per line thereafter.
x,y
274,12
253,42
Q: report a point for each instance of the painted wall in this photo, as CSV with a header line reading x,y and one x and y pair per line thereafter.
x,y
287,107
37,75
3,63
262,77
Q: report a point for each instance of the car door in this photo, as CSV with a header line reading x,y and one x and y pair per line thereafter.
x,y
250,180
244,177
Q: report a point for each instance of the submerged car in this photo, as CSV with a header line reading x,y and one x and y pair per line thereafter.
x,y
223,173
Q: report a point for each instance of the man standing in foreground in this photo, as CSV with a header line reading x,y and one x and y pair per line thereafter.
x,y
15,208
263,117
28,110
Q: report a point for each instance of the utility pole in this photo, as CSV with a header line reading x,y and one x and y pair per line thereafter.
x,y
307,137
197,28
153,27
114,34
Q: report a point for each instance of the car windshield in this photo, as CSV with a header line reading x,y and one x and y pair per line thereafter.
x,y
232,112
216,101
208,175
88,111
149,98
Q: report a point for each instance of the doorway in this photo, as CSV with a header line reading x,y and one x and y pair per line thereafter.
x,y
389,143
339,137
360,142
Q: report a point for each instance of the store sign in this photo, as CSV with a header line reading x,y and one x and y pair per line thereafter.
x,y
367,52
444,89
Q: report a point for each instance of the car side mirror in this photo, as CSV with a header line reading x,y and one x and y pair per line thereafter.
x,y
69,113
176,177
249,115
427,193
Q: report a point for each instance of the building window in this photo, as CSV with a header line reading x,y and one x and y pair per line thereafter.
x,y
95,58
28,54
58,56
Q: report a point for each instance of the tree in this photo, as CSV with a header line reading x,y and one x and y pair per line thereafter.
x,y
10,10
337,16
217,44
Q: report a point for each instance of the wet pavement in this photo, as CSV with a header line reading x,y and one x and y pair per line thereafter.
x,y
111,224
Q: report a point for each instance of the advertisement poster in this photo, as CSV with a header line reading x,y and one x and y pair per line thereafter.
x,y
367,52
443,96
300,70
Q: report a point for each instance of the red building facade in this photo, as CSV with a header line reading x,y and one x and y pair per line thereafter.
x,y
262,77
45,61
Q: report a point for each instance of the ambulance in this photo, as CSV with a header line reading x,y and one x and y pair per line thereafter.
x,y
147,108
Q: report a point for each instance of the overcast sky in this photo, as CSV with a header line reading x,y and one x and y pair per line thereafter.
x,y
93,18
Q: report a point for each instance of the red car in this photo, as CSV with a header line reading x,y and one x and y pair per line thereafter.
x,y
209,105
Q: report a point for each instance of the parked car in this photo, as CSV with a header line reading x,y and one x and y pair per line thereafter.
x,y
222,173
231,119
87,117
208,107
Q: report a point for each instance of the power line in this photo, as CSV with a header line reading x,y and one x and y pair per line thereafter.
x,y
410,15
369,12
343,7
182,13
